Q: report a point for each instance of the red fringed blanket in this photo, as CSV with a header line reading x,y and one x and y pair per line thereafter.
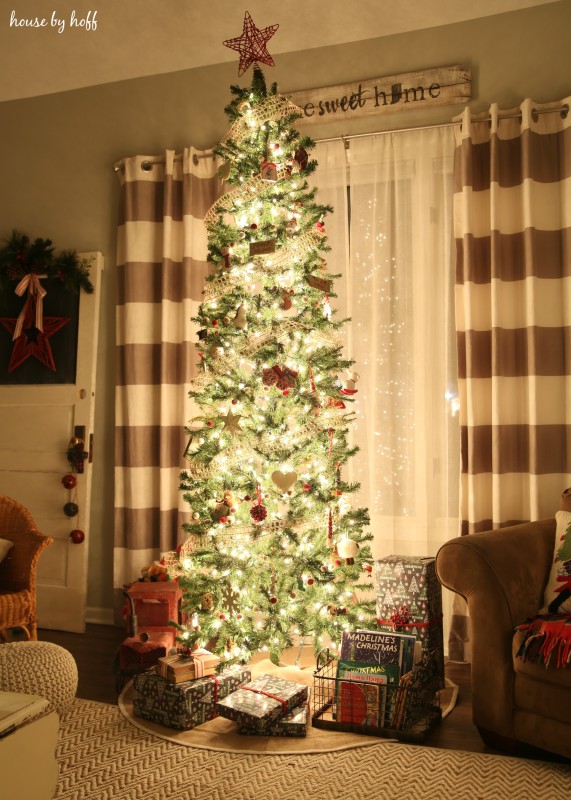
x,y
547,640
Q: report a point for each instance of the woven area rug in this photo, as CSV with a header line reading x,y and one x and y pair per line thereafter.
x,y
220,733
103,757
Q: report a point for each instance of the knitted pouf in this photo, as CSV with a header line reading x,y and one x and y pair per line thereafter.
x,y
40,668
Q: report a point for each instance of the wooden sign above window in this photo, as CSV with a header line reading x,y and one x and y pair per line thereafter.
x,y
411,90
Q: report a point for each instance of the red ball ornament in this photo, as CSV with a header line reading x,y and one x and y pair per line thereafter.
x,y
210,423
77,536
306,487
247,498
234,402
310,581
222,616
285,392
223,519
258,512
273,600
254,226
69,481
337,562
368,568
215,322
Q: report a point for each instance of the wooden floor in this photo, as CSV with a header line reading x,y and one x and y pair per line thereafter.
x,y
95,651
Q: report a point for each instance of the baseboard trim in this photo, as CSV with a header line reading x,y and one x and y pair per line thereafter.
x,y
99,616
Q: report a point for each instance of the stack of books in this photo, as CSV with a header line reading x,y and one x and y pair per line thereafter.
x,y
372,666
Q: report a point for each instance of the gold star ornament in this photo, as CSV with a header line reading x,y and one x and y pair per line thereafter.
x,y
231,421
252,44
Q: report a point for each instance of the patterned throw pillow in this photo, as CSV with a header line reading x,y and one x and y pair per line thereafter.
x,y
5,546
557,597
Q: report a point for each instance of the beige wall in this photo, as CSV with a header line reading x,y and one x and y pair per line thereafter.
x,y
57,154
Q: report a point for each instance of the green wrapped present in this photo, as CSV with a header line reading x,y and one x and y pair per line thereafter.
x,y
184,705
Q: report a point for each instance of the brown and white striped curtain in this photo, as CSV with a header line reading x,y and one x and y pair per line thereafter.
x,y
161,268
512,223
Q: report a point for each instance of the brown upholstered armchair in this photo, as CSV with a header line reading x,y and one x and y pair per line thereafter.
x,y
18,569
502,575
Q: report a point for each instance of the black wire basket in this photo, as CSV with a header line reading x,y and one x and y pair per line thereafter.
x,y
408,711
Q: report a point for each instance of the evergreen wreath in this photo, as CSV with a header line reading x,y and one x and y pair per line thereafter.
x,y
22,256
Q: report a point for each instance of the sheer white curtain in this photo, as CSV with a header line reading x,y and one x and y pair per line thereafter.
x,y
391,238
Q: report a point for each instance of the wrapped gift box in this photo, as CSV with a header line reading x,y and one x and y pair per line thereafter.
x,y
144,651
154,604
178,668
409,600
262,701
293,724
184,705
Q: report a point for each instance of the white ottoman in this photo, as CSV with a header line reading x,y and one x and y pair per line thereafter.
x,y
40,668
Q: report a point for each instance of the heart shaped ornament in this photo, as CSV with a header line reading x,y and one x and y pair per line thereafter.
x,y
284,480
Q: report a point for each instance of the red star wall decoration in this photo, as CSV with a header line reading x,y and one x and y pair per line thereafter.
x,y
32,342
252,44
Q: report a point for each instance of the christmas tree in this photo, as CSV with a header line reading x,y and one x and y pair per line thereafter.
x,y
275,552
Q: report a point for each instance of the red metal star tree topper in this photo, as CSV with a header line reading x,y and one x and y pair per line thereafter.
x,y
252,44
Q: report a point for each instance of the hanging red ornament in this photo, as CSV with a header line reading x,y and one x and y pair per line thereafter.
x,y
258,512
310,581
273,600
69,481
77,536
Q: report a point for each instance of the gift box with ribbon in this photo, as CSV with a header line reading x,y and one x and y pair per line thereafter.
x,y
292,725
262,701
183,706
409,600
182,667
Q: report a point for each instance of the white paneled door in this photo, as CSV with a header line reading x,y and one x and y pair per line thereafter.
x,y
37,424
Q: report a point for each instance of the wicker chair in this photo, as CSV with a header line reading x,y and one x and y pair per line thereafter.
x,y
18,570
